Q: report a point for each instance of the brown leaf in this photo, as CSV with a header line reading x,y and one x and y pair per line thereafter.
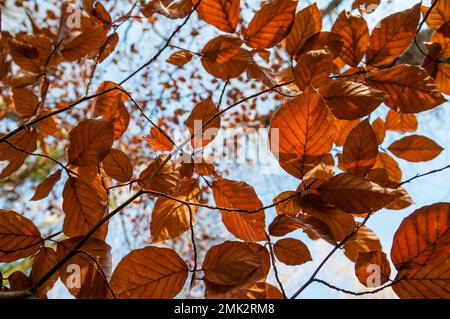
x,y
171,218
90,142
159,140
165,179
420,253
103,103
180,58
239,195
117,165
354,33
400,122
291,251
83,208
372,268
25,140
439,16
109,46
410,89
224,58
300,133
380,130
232,263
365,240
43,262
415,148
84,44
149,273
392,168
19,237
356,195
308,22
287,203
312,68
223,14
271,24
86,274
392,37
283,225
350,100
31,52
360,150
329,222
26,102
197,123
45,187
342,129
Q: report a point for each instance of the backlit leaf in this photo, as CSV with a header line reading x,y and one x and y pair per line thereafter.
x,y
415,148
149,273
239,195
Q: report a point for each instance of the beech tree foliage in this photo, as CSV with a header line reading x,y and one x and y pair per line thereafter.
x,y
81,139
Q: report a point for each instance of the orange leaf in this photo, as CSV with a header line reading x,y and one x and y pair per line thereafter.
x,y
83,208
287,203
165,179
415,148
343,128
439,16
360,150
159,140
438,49
313,67
109,46
102,103
224,58
392,168
291,251
349,100
25,140
232,263
45,187
93,281
223,14
392,37
356,195
19,237
149,273
180,58
410,89
372,268
26,102
308,22
239,195
400,122
363,241
171,218
117,165
329,222
380,130
354,33
43,262
300,133
283,225
84,44
197,123
420,253
90,142
271,24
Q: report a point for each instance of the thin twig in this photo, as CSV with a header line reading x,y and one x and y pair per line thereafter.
x,y
275,269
